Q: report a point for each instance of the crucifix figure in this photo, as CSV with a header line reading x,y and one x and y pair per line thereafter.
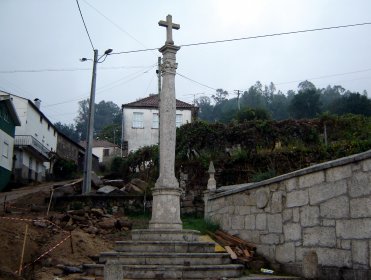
x,y
169,26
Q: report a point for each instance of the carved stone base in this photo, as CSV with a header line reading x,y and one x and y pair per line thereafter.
x,y
166,209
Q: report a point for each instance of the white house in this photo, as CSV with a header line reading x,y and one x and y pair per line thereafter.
x,y
35,141
141,121
103,149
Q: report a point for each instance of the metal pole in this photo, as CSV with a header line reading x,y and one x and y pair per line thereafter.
x,y
86,188
122,127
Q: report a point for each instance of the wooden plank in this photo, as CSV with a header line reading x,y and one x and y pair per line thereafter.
x,y
247,253
231,252
235,239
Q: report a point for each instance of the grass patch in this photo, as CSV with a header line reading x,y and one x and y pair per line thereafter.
x,y
199,224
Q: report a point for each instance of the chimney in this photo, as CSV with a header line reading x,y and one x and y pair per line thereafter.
x,y
37,103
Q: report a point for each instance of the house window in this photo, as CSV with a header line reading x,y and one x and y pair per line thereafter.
x,y
179,120
155,120
41,119
5,149
48,126
105,152
137,120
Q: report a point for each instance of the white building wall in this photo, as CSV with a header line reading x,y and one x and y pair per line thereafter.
x,y
99,152
146,136
33,124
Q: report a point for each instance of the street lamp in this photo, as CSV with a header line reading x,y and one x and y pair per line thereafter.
x,y
86,187
122,127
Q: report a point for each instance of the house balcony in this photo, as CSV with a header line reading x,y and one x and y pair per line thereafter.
x,y
32,145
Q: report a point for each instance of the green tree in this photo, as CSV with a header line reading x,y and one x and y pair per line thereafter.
x,y
220,96
106,113
352,103
278,106
68,129
206,109
81,121
111,133
255,97
249,114
306,85
329,95
305,104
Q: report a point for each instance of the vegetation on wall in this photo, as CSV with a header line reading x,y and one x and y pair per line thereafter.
x,y
253,150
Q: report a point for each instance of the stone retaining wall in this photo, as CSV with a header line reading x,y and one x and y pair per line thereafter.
x,y
324,208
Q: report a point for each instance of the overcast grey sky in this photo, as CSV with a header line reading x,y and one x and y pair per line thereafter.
x,y
49,35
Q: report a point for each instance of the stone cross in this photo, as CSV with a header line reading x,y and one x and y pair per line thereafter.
x,y
166,194
169,28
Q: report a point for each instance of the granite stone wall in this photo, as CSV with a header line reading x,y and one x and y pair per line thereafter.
x,y
324,209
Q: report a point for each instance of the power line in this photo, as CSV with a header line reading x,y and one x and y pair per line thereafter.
x,y
283,83
276,34
87,32
106,87
114,23
253,37
185,77
66,69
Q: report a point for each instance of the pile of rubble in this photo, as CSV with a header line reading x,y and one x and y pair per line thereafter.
x,y
92,221
103,186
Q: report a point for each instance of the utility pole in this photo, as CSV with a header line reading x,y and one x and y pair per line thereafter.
x,y
86,187
122,127
238,98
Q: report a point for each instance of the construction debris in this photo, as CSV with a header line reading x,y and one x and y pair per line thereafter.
x,y
239,250
93,221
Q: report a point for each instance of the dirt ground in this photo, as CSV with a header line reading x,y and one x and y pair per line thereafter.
x,y
48,246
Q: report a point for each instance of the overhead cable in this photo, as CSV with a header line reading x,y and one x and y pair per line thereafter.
x,y
87,32
253,37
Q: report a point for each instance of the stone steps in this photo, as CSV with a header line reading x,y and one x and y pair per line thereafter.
x,y
165,246
171,271
152,258
164,254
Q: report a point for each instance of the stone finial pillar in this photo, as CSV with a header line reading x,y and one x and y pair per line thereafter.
x,y
211,183
166,194
211,188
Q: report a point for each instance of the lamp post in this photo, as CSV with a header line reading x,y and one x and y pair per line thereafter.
x,y
122,127
86,187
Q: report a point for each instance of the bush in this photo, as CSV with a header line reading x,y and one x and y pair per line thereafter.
x,y
64,169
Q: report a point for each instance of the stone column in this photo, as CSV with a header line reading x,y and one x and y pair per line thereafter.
x,y
166,194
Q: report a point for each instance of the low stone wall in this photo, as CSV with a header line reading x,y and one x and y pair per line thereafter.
x,y
325,208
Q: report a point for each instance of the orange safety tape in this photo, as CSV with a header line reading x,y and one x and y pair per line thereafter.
x,y
45,253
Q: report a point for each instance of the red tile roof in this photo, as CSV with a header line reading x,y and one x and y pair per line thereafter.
x,y
152,101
